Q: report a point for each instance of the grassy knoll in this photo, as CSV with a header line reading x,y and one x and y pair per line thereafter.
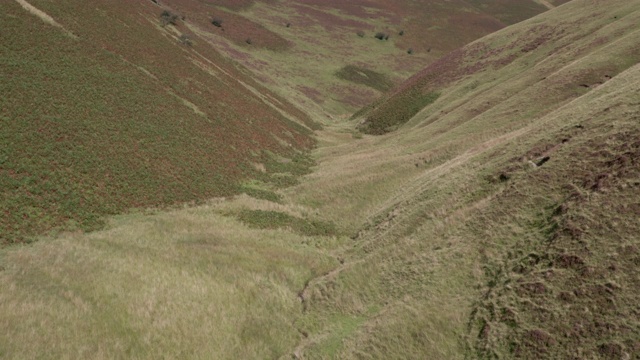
x,y
397,111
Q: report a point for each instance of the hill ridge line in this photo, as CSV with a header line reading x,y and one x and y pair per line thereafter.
x,y
546,3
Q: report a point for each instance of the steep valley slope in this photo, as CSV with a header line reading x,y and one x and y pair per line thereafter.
x,y
487,208
106,110
333,57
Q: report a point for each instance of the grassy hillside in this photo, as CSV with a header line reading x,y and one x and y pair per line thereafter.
x,y
501,220
301,48
545,40
498,221
108,110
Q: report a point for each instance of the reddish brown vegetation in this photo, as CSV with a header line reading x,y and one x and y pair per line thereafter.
x,y
105,136
232,25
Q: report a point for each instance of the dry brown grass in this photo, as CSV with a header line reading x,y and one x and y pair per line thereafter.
x,y
188,283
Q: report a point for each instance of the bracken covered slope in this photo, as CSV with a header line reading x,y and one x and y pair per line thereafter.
x,y
325,54
104,109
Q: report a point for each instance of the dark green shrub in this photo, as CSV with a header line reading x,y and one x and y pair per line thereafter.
x,y
167,18
184,39
360,33
262,219
261,194
380,35
410,51
217,22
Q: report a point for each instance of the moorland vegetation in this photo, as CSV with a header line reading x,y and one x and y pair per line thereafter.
x,y
163,200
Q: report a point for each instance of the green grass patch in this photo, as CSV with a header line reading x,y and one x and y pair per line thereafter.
x,y
263,219
261,194
397,111
284,171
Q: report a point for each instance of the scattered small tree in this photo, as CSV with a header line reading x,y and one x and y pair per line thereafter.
x,y
184,39
401,32
288,25
380,35
410,51
360,33
217,22
167,18
248,41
